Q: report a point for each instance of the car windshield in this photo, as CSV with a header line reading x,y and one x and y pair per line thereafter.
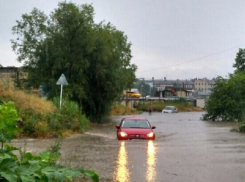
x,y
169,108
135,124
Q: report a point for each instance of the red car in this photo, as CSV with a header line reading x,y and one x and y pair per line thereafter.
x,y
135,128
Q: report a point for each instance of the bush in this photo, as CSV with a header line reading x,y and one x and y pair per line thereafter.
x,y
37,168
29,167
71,116
241,127
8,122
68,119
42,118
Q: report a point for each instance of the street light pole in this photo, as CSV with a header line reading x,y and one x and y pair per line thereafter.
x,y
141,90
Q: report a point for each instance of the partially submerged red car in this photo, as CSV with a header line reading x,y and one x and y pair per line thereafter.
x,y
135,128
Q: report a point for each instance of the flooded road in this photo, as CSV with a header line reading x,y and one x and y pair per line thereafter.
x,y
186,149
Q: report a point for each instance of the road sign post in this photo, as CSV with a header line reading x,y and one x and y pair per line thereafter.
x,y
62,81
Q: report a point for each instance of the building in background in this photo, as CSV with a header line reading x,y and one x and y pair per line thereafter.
x,y
192,89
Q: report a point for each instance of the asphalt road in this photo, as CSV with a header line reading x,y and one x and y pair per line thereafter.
x,y
186,149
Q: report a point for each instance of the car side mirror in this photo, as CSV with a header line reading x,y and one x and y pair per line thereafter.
x,y
117,126
153,127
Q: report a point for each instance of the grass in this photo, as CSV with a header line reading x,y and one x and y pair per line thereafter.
x,y
123,110
23,100
41,118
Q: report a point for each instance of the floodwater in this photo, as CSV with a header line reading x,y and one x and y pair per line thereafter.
x,y
186,149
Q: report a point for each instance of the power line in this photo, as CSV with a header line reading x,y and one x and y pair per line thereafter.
x,y
197,59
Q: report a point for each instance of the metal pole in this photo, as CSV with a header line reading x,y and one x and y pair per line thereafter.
x,y
61,90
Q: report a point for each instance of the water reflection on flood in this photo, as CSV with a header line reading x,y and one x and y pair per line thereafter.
x,y
151,162
122,173
122,170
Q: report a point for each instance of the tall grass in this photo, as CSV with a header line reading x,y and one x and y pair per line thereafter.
x,y
123,110
42,118
24,101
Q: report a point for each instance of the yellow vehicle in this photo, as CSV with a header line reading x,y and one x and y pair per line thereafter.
x,y
131,94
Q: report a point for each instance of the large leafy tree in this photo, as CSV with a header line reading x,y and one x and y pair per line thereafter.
x,y
95,58
240,61
227,101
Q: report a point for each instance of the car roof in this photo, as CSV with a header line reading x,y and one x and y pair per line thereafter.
x,y
135,118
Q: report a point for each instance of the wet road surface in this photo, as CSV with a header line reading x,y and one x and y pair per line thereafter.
x,y
186,149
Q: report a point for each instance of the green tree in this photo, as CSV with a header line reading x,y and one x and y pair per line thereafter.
x,y
240,61
227,101
95,58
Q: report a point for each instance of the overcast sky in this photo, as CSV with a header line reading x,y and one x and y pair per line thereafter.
x,y
176,39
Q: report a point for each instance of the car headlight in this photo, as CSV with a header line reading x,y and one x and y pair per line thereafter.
x,y
151,134
123,134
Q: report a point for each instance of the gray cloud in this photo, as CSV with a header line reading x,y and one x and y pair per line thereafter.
x,y
180,39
